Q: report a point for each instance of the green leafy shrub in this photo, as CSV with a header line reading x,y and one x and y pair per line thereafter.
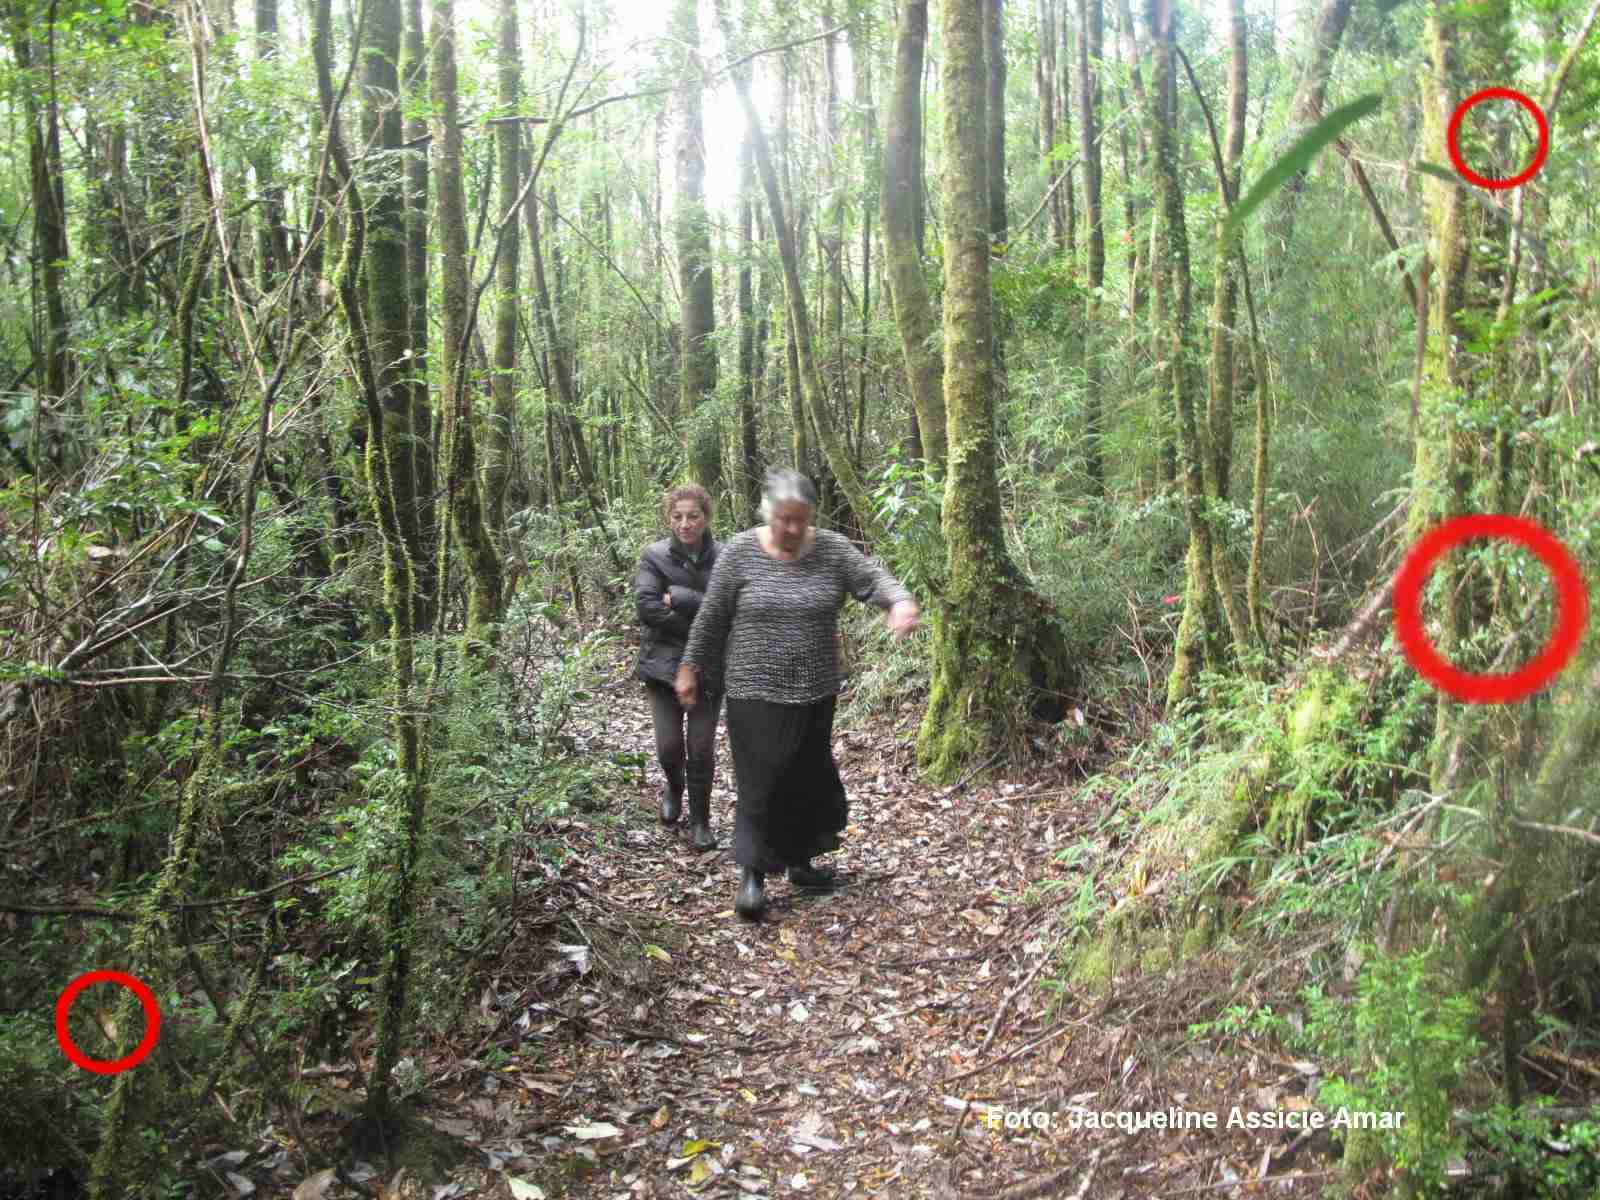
x,y
1404,1045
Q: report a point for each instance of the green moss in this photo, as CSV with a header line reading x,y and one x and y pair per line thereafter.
x,y
1319,748
1307,719
1363,1155
1093,968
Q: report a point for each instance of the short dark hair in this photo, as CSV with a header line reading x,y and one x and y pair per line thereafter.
x,y
685,491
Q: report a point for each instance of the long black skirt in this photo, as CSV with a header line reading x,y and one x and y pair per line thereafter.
x,y
791,800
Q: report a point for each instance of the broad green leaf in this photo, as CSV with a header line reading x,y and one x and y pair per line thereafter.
x,y
1299,157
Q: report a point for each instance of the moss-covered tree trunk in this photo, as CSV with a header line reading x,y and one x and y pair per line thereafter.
x,y
996,644
398,858
501,440
1200,641
385,261
1443,456
462,497
900,202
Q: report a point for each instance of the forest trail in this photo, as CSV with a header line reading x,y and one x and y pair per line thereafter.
x,y
646,1042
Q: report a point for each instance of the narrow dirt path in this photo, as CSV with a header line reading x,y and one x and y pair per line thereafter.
x,y
646,1042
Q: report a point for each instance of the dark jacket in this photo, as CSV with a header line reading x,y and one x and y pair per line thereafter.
x,y
666,567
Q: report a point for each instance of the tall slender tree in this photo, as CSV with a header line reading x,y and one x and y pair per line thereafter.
x,y
47,186
1090,42
463,498
385,259
811,382
1138,263
1200,639
499,445
994,48
1445,454
862,52
900,202
1225,293
995,641
272,237
749,337
424,420
695,279
830,223
1045,85
1322,32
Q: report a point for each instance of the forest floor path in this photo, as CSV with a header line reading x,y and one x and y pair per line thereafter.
x,y
646,1042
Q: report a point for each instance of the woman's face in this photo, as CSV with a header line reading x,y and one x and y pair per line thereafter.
x,y
688,521
788,522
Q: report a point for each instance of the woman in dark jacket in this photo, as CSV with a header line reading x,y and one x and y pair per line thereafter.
x,y
672,579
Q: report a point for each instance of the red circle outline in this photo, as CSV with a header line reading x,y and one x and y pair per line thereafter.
x,y
1453,136
1572,609
108,1066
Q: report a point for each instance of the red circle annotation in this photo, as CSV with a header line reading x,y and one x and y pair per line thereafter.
x,y
108,1066
1572,609
1453,138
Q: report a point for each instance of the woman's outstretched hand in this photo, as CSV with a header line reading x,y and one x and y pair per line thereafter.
x,y
904,617
687,686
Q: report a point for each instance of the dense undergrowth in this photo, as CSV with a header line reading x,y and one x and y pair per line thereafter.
x,y
284,920
1290,832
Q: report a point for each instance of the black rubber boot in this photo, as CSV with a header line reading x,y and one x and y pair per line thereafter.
x,y
700,836
751,898
807,876
672,795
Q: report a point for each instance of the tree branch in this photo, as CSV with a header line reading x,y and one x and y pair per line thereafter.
x,y
120,914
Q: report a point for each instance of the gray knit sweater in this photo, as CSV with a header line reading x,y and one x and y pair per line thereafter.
x,y
768,630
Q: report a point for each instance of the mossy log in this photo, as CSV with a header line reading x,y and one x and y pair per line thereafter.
x,y
1172,903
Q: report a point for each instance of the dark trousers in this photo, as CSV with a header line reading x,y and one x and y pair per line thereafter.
x,y
674,751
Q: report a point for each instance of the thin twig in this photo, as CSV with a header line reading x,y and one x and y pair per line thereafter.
x,y
1011,1054
1005,1004
1047,1185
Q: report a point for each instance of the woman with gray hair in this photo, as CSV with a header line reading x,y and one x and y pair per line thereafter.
x,y
766,636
